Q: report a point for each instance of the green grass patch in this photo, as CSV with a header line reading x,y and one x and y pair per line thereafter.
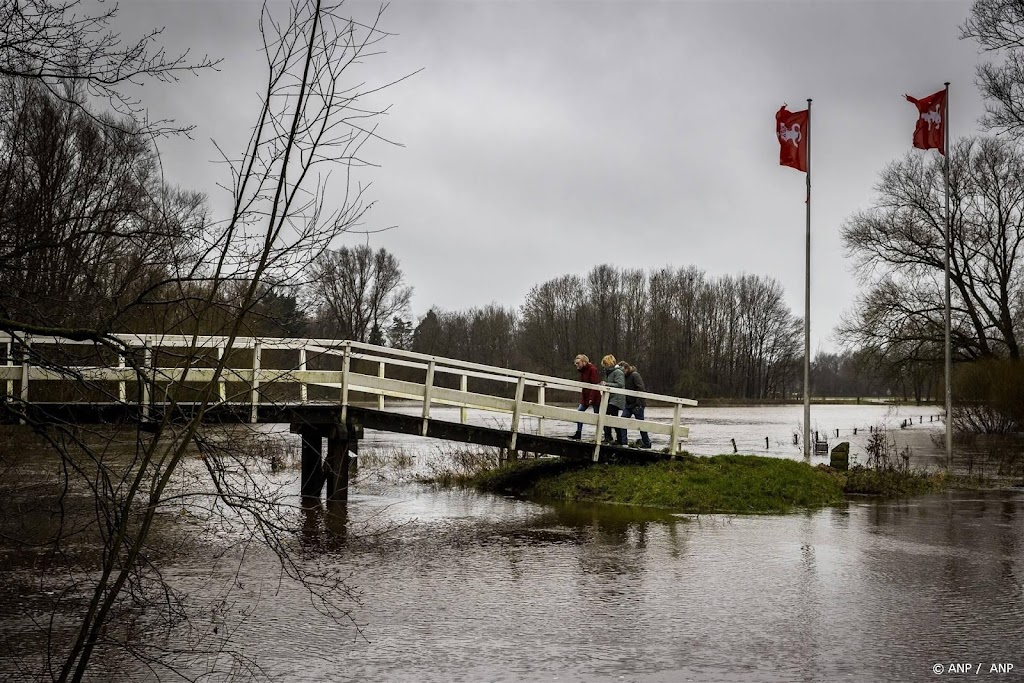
x,y
722,484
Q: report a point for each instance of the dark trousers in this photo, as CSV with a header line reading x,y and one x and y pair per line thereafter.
x,y
638,413
620,432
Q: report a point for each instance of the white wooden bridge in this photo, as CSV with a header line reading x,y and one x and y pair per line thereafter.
x,y
317,385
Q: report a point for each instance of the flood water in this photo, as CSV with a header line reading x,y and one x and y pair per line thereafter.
x,y
773,431
451,585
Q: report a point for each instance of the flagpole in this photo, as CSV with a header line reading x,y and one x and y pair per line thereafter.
x,y
949,248
807,302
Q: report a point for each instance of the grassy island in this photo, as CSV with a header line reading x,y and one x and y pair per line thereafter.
x,y
736,484
722,484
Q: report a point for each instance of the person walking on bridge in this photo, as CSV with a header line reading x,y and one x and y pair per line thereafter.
x,y
613,377
588,397
635,404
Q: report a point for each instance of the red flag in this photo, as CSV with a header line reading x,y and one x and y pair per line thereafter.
x,y
930,132
793,129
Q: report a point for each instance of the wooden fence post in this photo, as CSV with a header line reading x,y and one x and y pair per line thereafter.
x,y
346,363
26,362
427,387
540,401
464,387
10,364
122,390
255,382
673,445
303,388
222,385
599,431
516,408
147,360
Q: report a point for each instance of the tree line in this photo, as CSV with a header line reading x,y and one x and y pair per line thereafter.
x,y
693,335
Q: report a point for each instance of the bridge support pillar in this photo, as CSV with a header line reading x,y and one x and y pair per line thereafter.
x,y
312,482
340,447
333,467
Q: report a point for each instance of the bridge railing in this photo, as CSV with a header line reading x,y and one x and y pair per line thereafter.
x,y
165,360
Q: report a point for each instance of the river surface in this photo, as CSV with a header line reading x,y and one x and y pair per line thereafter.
x,y
451,585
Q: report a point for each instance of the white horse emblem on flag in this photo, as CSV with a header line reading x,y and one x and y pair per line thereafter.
x,y
932,116
789,134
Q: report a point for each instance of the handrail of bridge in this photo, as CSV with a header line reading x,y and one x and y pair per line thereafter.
x,y
346,380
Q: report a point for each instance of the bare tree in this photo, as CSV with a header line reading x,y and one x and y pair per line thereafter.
x,y
356,292
899,249
551,324
53,42
89,232
286,211
493,333
998,26
603,310
635,342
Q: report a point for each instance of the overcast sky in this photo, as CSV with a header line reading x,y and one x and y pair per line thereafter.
x,y
544,138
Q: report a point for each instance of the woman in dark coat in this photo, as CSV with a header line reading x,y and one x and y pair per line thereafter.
x,y
635,404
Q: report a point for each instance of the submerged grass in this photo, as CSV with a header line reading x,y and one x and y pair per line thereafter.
x,y
721,484
894,483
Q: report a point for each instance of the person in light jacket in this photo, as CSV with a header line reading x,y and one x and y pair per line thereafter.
x,y
613,377
635,404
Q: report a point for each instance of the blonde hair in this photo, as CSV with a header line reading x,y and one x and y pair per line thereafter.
x,y
583,357
608,361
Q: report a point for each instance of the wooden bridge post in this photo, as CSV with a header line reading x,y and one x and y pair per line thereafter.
x,y
380,397
599,432
673,444
427,387
122,391
312,482
222,386
147,360
516,408
540,401
346,363
255,382
10,364
464,388
303,389
26,362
